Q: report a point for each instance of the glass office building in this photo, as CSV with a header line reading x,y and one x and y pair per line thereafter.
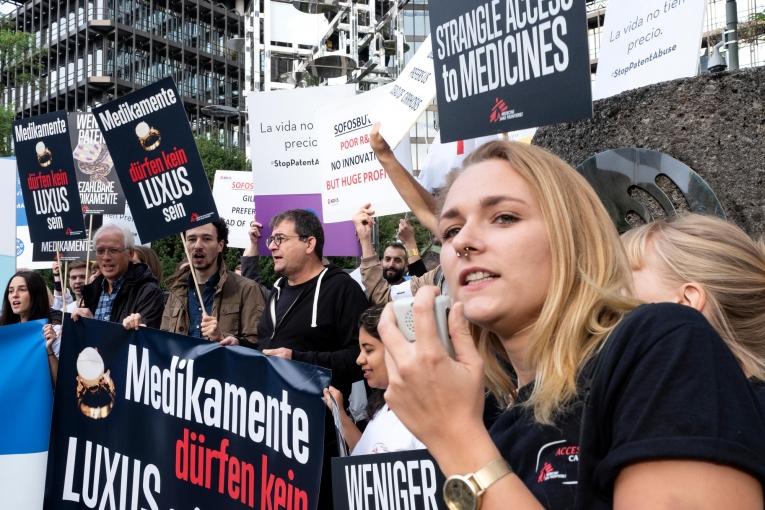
x,y
93,51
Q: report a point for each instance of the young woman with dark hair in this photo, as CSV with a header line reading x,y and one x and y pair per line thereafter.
x,y
384,432
26,299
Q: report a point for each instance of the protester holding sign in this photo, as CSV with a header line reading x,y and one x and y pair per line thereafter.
x,y
384,432
614,397
422,204
76,270
232,305
26,299
312,312
379,288
123,287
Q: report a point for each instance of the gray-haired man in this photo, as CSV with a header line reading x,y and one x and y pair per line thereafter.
x,y
123,287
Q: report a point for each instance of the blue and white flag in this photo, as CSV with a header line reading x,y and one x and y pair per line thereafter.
x,y
26,399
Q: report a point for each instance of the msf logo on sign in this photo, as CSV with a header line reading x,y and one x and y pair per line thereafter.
x,y
501,111
500,107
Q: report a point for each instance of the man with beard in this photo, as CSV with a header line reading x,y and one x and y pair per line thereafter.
x,y
394,263
232,305
384,280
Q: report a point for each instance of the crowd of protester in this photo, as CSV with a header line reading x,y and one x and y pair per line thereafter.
x,y
642,358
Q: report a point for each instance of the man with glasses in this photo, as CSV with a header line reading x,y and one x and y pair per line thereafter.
x,y
312,314
123,287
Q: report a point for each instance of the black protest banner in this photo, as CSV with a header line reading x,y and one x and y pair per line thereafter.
x,y
157,161
72,249
503,65
47,177
148,419
405,479
100,189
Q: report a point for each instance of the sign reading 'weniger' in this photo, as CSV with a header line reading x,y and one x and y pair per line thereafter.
x,y
505,65
150,141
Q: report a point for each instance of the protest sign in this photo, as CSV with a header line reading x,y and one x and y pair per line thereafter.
x,y
125,220
503,66
234,195
24,245
285,149
76,249
648,42
405,479
410,95
149,419
8,238
47,177
284,138
352,176
100,189
157,160
339,238
26,397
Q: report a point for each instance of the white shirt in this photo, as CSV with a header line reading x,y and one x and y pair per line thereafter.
x,y
385,433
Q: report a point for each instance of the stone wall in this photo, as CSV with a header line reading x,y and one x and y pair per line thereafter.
x,y
713,123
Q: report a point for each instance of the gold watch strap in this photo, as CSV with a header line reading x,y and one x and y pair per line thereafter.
x,y
490,473
414,252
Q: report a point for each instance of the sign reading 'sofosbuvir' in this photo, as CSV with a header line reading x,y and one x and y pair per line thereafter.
x,y
47,177
504,65
157,161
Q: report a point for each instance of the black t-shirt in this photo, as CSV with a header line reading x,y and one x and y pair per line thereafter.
x,y
664,386
545,457
288,295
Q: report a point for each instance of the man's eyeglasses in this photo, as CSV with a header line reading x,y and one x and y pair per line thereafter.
x,y
278,239
111,251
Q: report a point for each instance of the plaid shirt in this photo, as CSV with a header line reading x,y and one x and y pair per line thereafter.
x,y
104,307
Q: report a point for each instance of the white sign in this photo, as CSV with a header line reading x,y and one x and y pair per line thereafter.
x,y
410,95
648,42
233,192
284,142
8,196
352,176
24,250
124,220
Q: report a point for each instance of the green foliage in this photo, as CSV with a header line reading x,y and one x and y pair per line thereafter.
x,y
7,115
19,59
217,157
20,62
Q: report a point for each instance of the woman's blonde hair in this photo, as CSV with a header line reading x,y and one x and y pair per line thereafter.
x,y
589,284
729,266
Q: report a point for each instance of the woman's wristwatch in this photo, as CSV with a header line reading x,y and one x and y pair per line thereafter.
x,y
463,492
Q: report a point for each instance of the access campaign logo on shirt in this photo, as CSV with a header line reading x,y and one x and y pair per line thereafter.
x,y
558,461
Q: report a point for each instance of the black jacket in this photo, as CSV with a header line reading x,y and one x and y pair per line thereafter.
x,y
333,342
140,293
